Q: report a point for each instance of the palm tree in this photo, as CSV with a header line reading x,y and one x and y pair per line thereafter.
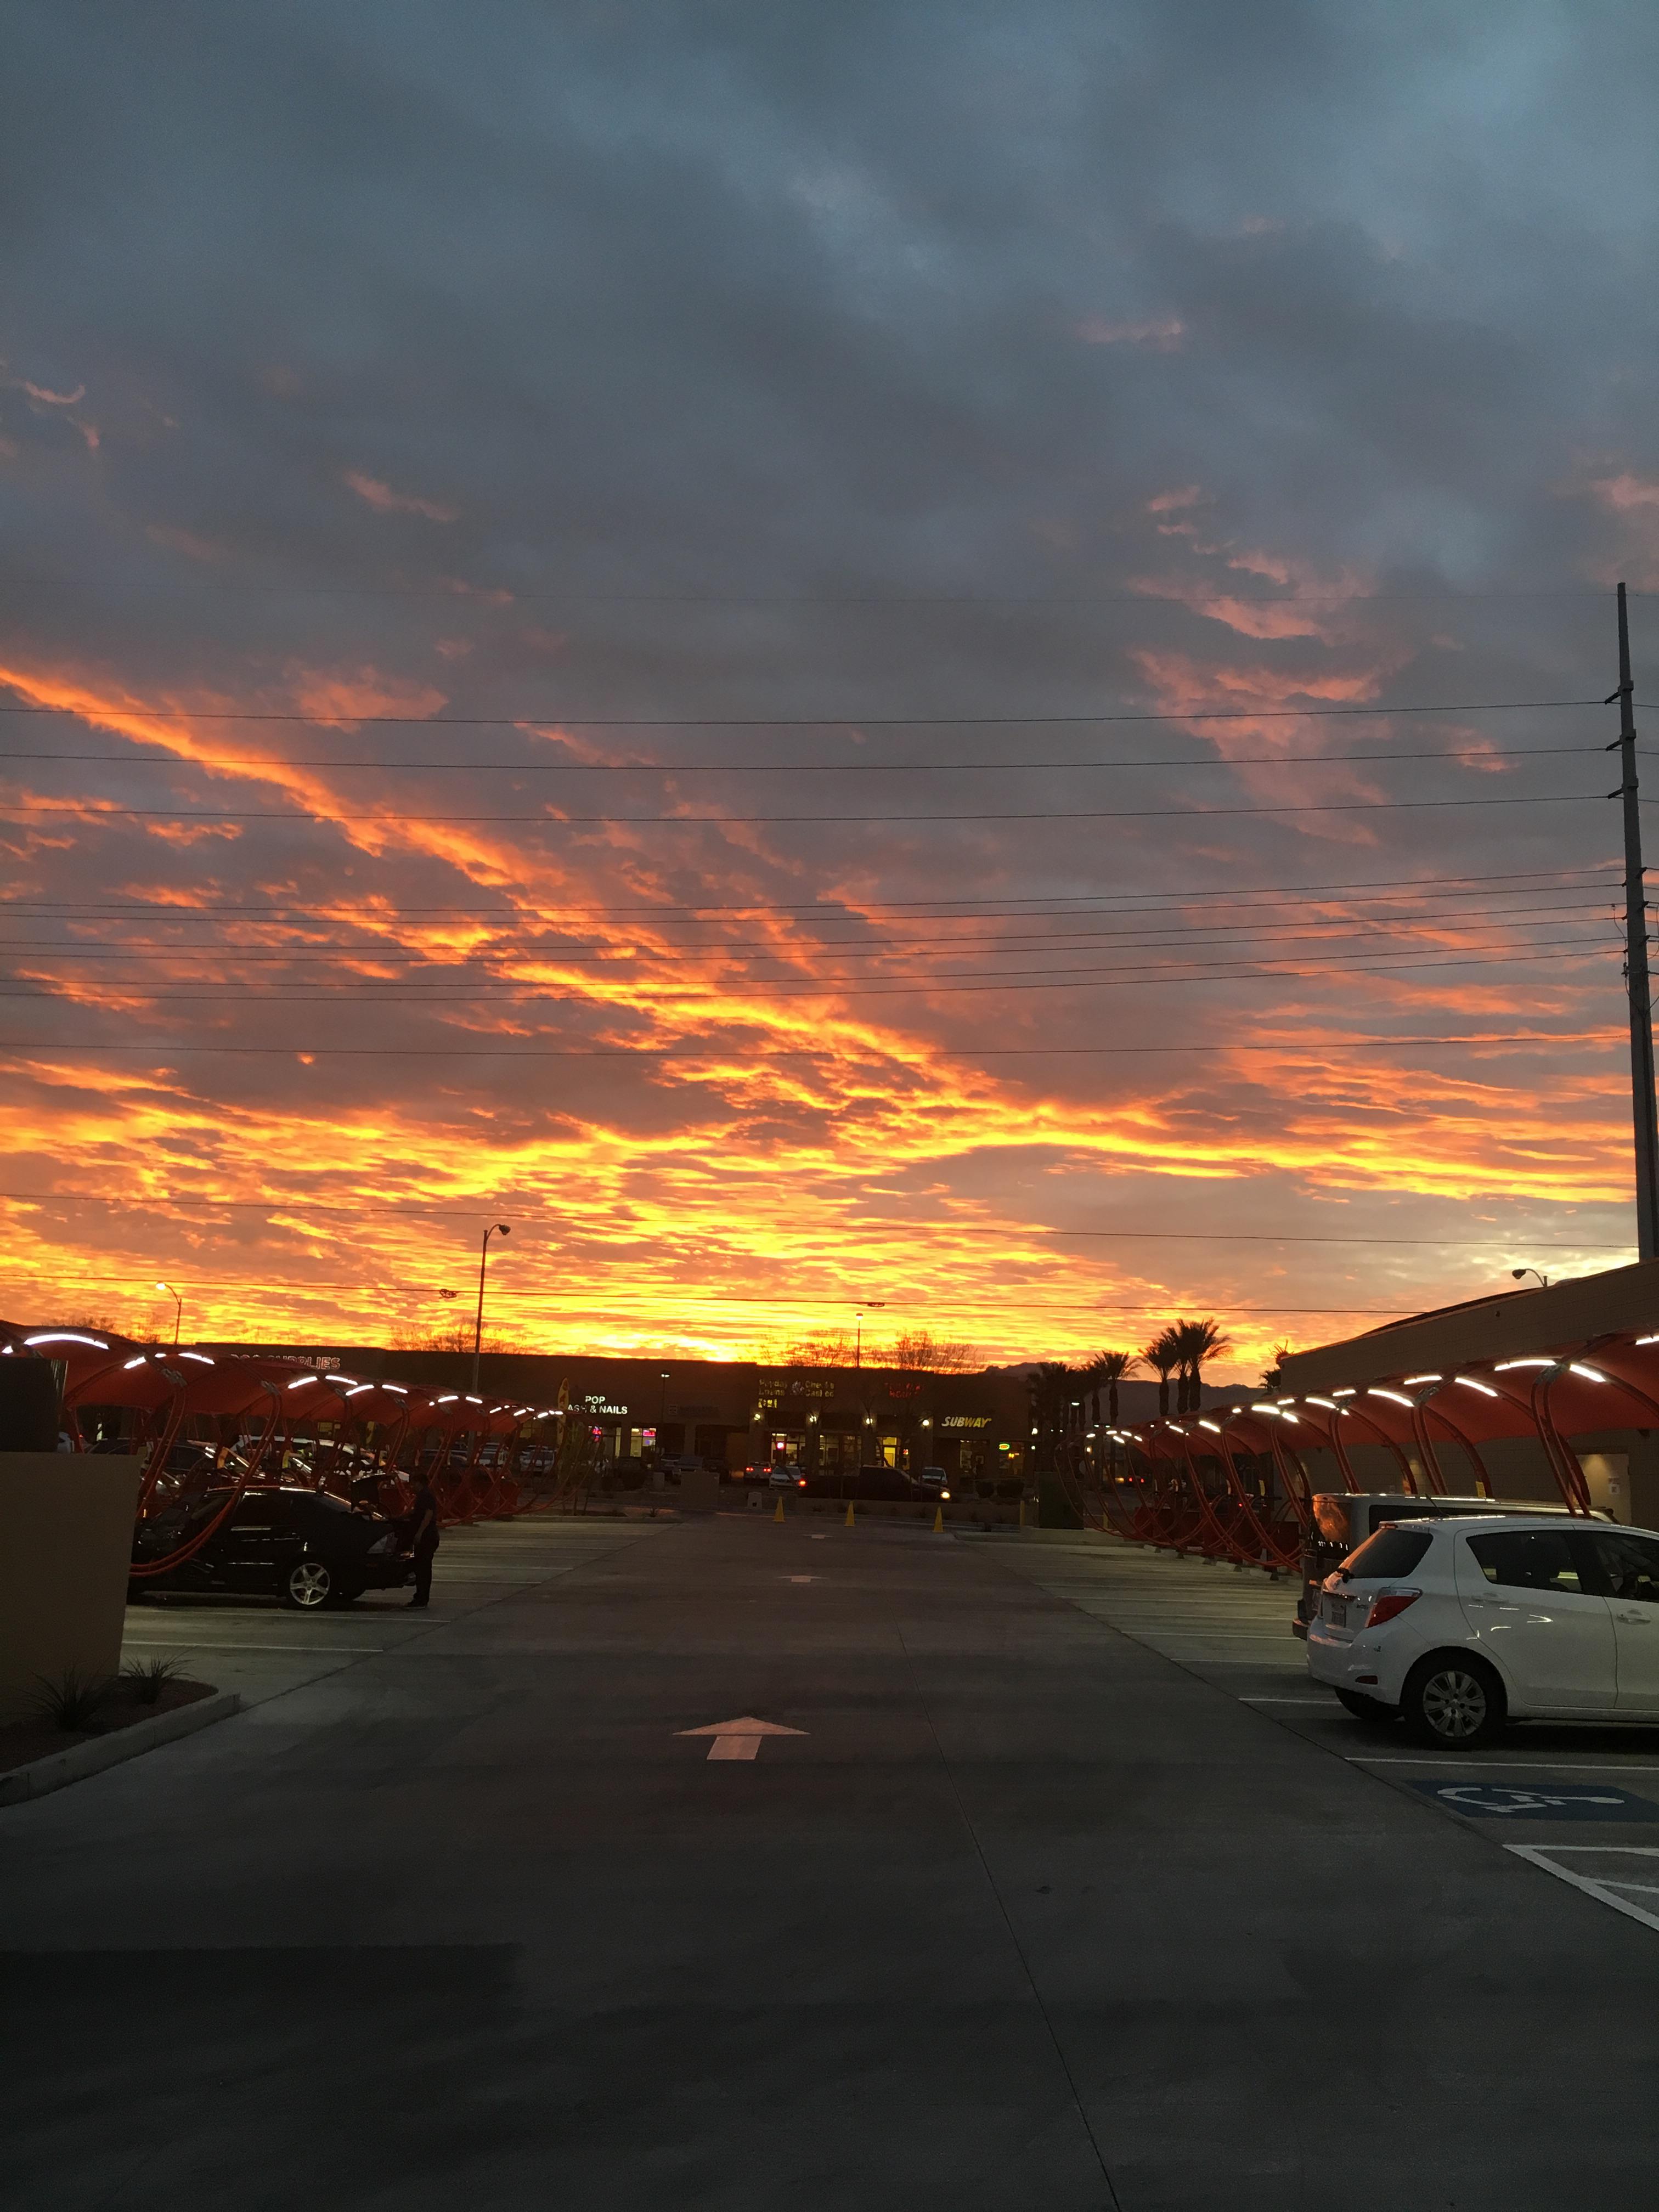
x,y
1195,1341
1272,1377
1107,1370
1162,1356
1050,1390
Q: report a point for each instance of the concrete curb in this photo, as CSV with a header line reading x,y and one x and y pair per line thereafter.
x,y
42,1776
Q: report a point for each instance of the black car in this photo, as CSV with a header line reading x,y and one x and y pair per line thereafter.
x,y
868,1485
302,1545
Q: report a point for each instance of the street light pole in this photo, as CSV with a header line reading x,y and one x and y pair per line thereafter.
x,y
177,1309
495,1228
1635,961
875,1305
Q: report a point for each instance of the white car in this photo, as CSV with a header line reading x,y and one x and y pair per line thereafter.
x,y
1457,1626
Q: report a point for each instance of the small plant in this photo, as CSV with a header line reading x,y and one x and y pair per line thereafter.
x,y
72,1701
144,1679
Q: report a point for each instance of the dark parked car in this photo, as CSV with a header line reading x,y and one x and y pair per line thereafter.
x,y
302,1545
882,1484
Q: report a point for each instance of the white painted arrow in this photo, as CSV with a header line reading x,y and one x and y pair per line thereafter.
x,y
738,1739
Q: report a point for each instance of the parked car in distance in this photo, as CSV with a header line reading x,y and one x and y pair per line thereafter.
x,y
875,1485
784,1474
302,1545
1456,1624
935,1481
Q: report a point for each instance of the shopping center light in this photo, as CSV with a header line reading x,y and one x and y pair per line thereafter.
x,y
1328,1404
1485,1389
201,1357
303,1381
127,1365
1411,1379
1210,1426
1588,1374
1505,1366
66,1336
1349,1392
1396,1396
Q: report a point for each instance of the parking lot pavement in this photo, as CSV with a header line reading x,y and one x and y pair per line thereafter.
x,y
1230,1626
263,1649
1012,1909
1534,1791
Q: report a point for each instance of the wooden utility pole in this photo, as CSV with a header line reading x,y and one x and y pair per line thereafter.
x,y
1636,963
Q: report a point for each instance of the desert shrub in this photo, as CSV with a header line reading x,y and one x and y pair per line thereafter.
x,y
72,1701
144,1679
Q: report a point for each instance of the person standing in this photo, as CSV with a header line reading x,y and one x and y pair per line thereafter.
x,y
423,1540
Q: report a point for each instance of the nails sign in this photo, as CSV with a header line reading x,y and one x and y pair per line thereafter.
x,y
738,1739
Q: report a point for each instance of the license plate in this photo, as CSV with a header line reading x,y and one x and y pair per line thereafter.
x,y
1336,1612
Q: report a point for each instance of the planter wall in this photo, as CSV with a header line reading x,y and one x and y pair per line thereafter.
x,y
66,1544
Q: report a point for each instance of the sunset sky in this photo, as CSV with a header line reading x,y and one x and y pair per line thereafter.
x,y
939,654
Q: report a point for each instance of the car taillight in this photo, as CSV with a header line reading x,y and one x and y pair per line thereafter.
x,y
1387,1604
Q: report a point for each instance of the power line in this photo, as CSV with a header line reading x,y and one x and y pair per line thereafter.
x,y
788,767
1085,979
498,595
91,814
1400,886
99,711
525,990
373,1207
693,1053
528,936
308,953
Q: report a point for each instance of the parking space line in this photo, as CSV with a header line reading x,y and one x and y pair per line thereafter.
x,y
1545,1856
1610,1765
200,1643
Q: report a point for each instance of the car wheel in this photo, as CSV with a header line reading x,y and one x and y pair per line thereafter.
x,y
1453,1702
1369,1710
307,1585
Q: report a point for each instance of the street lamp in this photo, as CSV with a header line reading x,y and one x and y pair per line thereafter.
x,y
871,1305
662,1411
495,1229
1521,1273
177,1309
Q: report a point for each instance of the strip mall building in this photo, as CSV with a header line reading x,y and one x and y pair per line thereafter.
x,y
825,1419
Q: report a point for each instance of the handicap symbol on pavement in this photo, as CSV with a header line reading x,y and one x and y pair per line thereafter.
x,y
1543,1801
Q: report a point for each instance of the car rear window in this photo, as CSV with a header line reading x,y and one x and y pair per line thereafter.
x,y
1391,1551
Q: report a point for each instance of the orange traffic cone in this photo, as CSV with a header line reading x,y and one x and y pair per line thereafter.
x,y
778,1515
938,1520
849,1513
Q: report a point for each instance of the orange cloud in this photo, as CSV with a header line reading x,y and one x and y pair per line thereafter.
x,y
384,500
677,1196
184,541
1157,333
